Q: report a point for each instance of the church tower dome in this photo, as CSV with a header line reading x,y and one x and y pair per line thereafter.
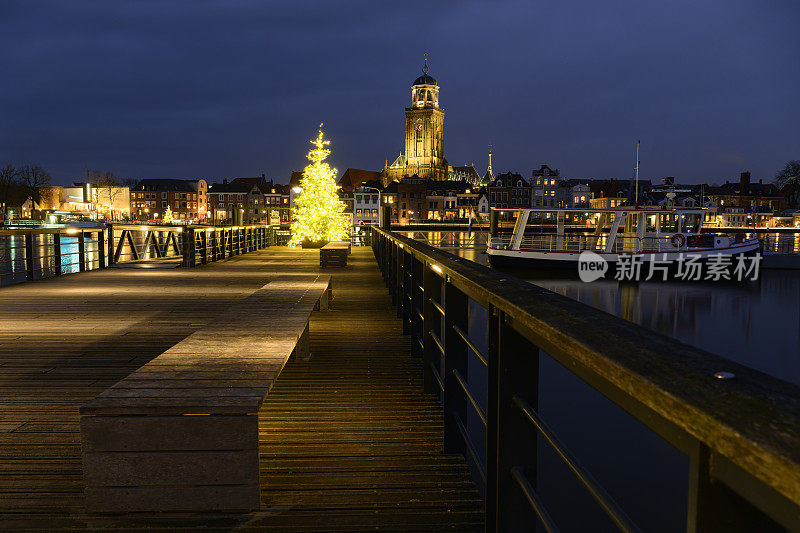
x,y
425,91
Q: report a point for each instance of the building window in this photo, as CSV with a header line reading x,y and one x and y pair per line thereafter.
x,y
374,212
358,212
164,205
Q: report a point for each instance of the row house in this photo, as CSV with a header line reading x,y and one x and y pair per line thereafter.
x,y
509,191
249,201
752,197
545,185
412,205
150,198
267,202
574,193
366,205
391,200
227,202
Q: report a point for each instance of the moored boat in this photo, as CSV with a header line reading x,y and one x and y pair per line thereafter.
x,y
557,237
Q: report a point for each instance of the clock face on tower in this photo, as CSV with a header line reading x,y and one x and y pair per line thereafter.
x,y
419,126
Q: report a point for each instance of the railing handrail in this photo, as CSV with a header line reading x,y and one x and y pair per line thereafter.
x,y
750,424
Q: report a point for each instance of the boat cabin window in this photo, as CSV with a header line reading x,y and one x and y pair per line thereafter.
x,y
650,223
669,223
690,222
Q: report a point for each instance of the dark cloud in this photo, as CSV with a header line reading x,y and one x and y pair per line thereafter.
x,y
224,88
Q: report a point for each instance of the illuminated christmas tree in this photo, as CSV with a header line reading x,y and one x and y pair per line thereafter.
x,y
168,216
319,213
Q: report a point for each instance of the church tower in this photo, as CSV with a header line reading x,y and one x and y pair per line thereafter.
x,y
424,148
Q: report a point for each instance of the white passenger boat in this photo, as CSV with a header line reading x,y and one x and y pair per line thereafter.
x,y
557,237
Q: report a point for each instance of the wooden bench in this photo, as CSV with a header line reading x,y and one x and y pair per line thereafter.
x,y
181,433
334,254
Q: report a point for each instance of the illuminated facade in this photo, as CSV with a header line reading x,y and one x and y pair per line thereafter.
x,y
424,148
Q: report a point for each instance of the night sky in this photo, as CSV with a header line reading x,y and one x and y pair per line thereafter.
x,y
236,88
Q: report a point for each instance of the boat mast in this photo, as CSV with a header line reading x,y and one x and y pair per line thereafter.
x,y
636,197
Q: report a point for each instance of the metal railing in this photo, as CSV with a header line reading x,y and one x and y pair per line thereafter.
x,y
207,244
134,242
741,435
576,243
462,239
37,253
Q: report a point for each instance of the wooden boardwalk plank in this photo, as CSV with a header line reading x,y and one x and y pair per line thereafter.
x,y
348,440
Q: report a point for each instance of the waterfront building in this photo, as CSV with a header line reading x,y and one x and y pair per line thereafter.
x,y
200,186
412,193
545,184
227,201
366,206
753,197
509,190
103,202
150,198
573,193
446,199
607,194
424,138
390,199
483,204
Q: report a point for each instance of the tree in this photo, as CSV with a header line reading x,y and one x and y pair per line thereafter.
x,y
31,178
319,213
168,219
787,180
105,188
8,176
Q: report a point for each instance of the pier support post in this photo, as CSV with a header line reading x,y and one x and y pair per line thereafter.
x,y
432,329
713,507
82,251
511,441
57,252
101,249
29,256
455,402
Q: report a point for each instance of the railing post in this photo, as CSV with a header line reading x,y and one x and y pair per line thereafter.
x,y
188,247
713,507
456,310
29,256
57,252
204,240
511,441
82,251
416,306
214,244
399,275
101,249
433,358
111,247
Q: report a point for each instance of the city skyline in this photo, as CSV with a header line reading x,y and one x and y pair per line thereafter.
x,y
155,92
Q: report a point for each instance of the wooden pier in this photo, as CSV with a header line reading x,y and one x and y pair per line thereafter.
x,y
348,439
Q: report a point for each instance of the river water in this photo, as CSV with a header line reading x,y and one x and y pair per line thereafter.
x,y
755,323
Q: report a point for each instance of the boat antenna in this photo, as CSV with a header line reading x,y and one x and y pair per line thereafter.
x,y
636,197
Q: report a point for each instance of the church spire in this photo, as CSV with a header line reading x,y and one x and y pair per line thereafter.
x,y
425,66
489,169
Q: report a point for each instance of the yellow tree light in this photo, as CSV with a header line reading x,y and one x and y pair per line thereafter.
x,y
319,213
